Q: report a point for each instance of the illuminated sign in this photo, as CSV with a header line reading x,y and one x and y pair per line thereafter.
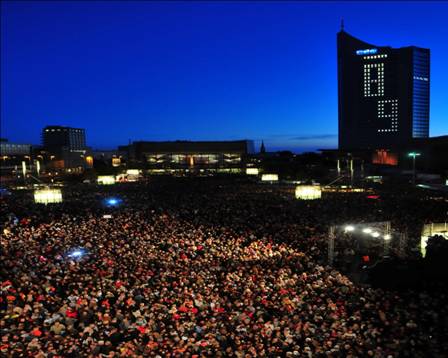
x,y
369,51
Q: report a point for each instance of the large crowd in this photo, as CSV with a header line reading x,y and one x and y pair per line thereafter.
x,y
199,268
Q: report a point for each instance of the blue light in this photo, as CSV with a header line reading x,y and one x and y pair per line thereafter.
x,y
76,253
112,201
369,51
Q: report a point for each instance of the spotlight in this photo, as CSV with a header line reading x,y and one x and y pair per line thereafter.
x,y
387,237
76,254
375,234
367,230
349,228
112,202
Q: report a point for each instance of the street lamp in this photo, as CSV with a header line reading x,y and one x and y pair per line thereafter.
x,y
413,155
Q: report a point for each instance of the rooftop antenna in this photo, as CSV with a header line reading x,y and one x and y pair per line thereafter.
x,y
342,24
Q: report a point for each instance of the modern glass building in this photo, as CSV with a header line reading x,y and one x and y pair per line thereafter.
x,y
383,94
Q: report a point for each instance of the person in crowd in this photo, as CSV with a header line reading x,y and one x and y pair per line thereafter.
x,y
208,269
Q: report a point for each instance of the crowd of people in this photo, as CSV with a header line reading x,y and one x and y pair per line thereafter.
x,y
198,268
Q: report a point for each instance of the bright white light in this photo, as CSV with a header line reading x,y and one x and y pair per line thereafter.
x,y
308,192
252,171
349,228
387,237
106,179
269,177
375,234
76,253
367,230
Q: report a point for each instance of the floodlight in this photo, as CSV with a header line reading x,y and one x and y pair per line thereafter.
x,y
349,228
367,230
387,237
375,234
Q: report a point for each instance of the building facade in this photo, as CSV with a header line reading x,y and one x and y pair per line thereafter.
x,y
383,94
183,155
59,136
14,149
67,147
11,157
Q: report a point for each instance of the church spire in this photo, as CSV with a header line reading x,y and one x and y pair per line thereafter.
x,y
262,148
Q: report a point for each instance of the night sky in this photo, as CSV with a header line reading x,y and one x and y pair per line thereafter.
x,y
198,71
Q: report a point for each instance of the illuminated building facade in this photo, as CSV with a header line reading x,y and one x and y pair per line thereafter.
x,y
182,155
383,94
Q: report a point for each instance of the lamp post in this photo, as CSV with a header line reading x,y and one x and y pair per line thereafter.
x,y
413,155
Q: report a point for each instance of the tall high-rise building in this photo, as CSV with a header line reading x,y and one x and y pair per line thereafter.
x,y
383,94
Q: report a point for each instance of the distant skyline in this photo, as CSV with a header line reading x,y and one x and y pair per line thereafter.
x,y
198,70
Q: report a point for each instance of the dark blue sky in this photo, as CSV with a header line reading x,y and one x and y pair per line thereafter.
x,y
198,71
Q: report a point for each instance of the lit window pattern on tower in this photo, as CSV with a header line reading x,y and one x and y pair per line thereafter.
x,y
374,80
392,114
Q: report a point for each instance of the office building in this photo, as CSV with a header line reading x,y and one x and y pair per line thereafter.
x,y
383,94
58,136
13,149
67,147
